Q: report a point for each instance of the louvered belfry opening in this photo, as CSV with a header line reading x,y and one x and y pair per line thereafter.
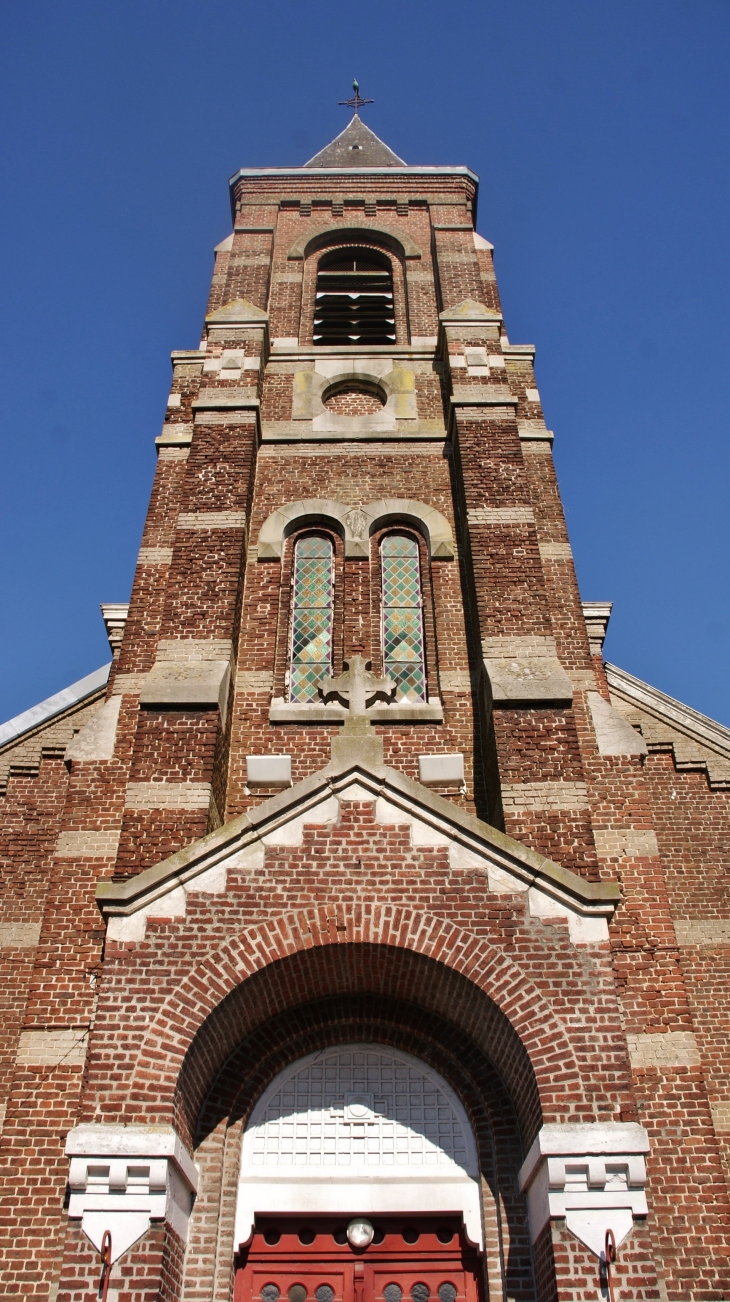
x,y
354,303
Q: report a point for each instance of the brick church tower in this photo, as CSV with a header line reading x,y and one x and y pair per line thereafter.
x,y
365,937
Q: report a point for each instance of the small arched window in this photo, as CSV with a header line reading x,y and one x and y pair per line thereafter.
x,y
354,302
402,616
311,622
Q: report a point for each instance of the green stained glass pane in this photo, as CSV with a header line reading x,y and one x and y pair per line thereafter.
x,y
402,619
311,644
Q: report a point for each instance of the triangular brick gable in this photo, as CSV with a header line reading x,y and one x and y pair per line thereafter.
x,y
511,868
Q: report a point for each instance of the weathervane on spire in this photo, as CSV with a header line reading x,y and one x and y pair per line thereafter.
x,y
356,101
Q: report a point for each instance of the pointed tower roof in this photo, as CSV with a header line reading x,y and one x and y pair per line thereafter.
x,y
356,146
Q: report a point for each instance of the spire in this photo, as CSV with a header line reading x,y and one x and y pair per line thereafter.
x,y
356,146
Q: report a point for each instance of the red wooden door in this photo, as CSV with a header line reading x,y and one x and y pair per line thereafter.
x,y
411,1259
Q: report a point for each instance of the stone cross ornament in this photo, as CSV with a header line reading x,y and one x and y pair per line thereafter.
x,y
358,687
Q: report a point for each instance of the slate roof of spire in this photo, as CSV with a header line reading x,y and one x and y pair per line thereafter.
x,y
356,146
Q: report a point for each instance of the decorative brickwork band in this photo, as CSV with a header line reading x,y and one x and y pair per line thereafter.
x,y
123,1177
593,1175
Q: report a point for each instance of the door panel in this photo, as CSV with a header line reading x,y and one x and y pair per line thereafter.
x,y
410,1260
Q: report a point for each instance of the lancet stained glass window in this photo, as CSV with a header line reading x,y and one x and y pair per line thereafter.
x,y
311,639
403,658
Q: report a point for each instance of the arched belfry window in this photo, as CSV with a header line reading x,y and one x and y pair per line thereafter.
x,y
354,302
402,616
311,623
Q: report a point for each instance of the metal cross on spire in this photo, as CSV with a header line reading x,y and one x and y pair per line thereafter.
x,y
356,100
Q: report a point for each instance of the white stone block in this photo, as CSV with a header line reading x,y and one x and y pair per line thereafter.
x,y
441,770
268,770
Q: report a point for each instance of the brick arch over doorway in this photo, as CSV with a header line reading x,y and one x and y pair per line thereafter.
x,y
389,951
396,1023
380,948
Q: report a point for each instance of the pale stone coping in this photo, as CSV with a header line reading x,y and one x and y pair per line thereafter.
x,y
175,435
456,680
173,454
515,680
625,843
20,935
356,524
188,680
240,311
56,704
720,1109
226,400
129,684
667,1049
704,933
225,245
668,710
483,395
89,844
555,551
168,795
524,669
401,431
469,311
212,520
114,614
193,649
506,645
287,349
97,739
154,556
591,1174
583,680
282,711
614,734
254,680
596,615
501,515
524,796
542,449
132,1141
358,228
50,1048
161,890
429,446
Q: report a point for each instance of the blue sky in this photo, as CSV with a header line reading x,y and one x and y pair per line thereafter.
x,y
600,133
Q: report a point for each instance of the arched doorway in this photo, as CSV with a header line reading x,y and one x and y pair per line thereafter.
x,y
358,1183
353,995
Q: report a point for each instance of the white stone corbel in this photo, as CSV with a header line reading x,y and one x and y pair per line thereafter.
x,y
123,1177
593,1176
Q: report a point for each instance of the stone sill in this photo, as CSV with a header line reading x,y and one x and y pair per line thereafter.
x,y
279,352
301,430
282,711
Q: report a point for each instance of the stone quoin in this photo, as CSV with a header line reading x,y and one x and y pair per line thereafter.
x,y
365,937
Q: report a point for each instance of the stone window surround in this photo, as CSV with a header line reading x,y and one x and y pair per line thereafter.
x,y
282,710
356,524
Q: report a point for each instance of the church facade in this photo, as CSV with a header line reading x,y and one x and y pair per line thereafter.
x,y
365,937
